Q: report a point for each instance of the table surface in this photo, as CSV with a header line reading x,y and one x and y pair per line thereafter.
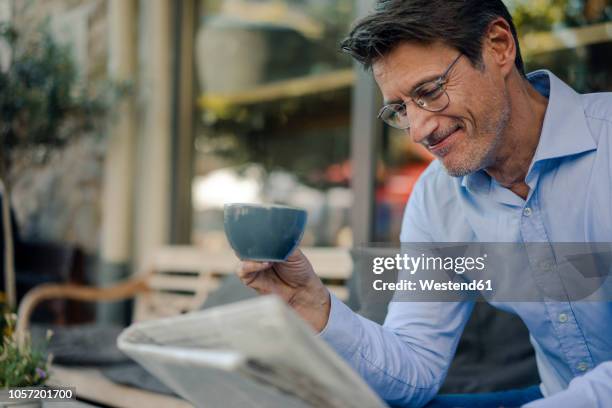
x,y
67,404
92,385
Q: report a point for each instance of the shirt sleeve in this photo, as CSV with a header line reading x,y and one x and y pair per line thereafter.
x,y
406,359
592,390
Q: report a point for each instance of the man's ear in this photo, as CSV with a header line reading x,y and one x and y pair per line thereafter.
x,y
499,44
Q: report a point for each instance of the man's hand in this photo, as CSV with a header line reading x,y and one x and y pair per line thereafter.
x,y
293,280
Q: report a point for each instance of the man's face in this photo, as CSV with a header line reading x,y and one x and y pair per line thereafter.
x,y
466,134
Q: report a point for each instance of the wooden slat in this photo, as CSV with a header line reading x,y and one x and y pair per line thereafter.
x,y
194,259
156,305
195,283
330,263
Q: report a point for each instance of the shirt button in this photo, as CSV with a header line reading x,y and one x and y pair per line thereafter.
x,y
563,318
582,366
527,212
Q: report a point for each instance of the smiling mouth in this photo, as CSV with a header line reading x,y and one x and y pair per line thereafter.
x,y
441,138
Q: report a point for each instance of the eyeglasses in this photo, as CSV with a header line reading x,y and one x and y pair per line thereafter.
x,y
430,96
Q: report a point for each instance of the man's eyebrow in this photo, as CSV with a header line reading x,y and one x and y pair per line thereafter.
x,y
422,82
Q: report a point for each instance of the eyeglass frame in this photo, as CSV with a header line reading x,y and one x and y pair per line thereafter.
x,y
439,82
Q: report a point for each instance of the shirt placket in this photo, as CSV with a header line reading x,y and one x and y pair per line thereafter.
x,y
543,266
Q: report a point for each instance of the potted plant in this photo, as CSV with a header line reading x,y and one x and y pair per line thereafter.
x,y
21,363
43,107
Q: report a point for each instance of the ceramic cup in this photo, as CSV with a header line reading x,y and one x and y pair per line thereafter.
x,y
263,232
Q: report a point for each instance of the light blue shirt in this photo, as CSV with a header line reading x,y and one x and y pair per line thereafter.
x,y
570,200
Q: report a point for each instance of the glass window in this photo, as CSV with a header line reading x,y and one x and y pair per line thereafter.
x,y
275,108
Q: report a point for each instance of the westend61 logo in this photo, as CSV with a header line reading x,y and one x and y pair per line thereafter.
x,y
412,264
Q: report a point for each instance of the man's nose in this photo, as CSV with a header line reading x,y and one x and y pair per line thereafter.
x,y
422,122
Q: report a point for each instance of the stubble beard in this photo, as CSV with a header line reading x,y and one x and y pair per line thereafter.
x,y
480,152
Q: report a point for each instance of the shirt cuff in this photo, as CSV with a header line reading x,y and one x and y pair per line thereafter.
x,y
343,328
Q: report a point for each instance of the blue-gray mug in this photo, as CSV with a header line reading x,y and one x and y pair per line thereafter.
x,y
262,232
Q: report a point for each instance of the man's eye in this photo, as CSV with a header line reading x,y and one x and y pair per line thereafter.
x,y
429,92
394,110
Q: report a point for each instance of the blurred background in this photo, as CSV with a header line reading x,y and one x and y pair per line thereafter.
x,y
221,101
127,124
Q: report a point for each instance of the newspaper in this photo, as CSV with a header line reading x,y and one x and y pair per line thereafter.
x,y
255,353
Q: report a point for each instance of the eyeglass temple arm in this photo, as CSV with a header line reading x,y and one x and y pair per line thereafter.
x,y
451,66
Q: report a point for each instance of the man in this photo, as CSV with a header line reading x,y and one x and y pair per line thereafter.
x,y
520,159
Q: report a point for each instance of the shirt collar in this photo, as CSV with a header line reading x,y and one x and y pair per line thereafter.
x,y
564,132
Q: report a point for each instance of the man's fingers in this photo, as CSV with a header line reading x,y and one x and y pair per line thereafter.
x,y
246,268
295,255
